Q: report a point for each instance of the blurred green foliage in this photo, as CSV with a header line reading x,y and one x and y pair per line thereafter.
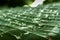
x,y
39,21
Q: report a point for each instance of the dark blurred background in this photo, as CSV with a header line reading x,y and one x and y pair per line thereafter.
x,y
50,1
21,2
14,2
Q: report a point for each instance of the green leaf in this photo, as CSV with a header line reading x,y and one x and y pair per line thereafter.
x,y
42,20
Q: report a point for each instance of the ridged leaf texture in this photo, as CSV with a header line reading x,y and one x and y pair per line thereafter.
x,y
43,20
